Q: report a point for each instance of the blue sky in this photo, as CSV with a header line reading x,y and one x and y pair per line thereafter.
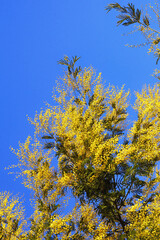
x,y
35,34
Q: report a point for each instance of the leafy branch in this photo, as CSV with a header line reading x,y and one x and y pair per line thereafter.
x,y
71,65
129,14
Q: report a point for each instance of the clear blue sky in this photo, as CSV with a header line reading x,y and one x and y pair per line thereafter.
x,y
34,35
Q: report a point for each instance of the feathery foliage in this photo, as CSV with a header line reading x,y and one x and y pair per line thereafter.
x,y
147,23
108,168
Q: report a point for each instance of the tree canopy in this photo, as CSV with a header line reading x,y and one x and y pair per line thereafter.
x,y
108,167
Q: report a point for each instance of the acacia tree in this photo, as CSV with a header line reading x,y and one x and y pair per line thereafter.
x,y
109,169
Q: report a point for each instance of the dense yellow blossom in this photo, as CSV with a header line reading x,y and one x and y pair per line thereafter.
x,y
11,217
144,215
107,167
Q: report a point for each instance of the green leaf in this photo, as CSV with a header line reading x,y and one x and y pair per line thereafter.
x,y
49,145
64,61
146,21
158,59
115,6
131,9
47,137
138,14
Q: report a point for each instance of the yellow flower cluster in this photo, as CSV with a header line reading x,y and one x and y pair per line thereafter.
x,y
85,130
12,221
